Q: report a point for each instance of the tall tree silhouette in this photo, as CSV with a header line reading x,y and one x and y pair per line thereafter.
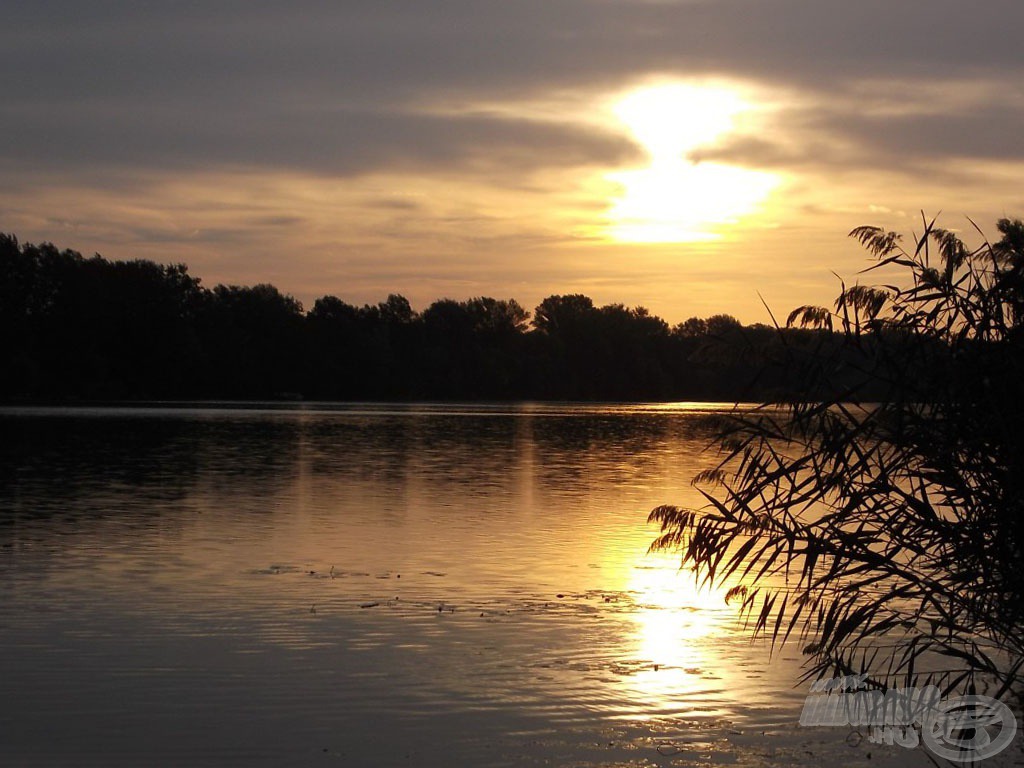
x,y
75,327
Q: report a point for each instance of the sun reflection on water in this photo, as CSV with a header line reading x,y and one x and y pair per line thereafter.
x,y
675,639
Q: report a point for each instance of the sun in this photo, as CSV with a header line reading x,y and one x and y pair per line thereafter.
x,y
673,199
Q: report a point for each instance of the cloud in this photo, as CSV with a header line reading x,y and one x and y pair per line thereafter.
x,y
339,142
908,127
347,87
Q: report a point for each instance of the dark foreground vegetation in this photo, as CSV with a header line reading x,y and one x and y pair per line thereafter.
x,y
889,539
87,328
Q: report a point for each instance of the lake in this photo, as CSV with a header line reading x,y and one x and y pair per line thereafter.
x,y
370,585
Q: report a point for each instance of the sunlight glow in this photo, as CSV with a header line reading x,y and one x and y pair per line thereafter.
x,y
677,631
674,199
663,590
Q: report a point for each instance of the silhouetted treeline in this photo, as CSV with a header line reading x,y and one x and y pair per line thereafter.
x,y
75,327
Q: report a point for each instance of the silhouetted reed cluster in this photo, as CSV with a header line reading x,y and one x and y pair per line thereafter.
x,y
888,538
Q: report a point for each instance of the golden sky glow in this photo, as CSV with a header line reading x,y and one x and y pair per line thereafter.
x,y
674,199
666,154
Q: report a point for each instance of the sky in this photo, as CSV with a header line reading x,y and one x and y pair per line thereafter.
x,y
690,156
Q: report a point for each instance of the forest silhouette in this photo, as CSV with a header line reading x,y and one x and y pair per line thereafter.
x,y
78,328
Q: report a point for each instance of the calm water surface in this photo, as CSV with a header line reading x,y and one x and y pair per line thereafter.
x,y
362,585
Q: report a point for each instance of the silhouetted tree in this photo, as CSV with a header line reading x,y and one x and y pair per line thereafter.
x,y
472,349
396,310
252,340
692,328
93,328
332,361
562,314
721,325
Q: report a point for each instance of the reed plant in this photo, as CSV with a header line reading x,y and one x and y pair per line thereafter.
x,y
875,513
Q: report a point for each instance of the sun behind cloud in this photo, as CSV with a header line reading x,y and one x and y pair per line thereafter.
x,y
673,199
